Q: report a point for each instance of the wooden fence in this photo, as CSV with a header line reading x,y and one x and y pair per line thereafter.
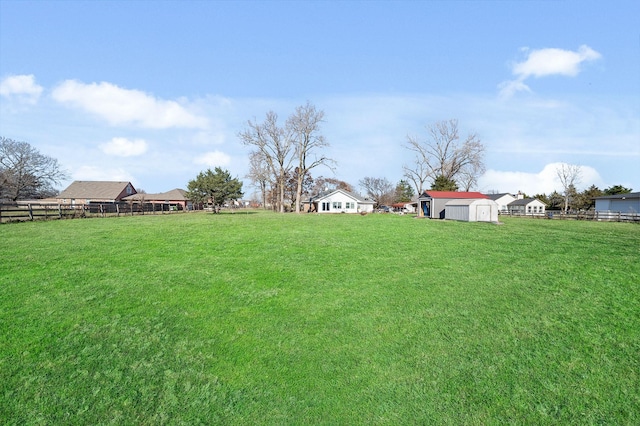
x,y
16,212
600,216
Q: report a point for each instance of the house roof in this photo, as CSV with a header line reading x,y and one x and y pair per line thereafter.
x,y
452,194
470,201
495,197
524,202
629,195
173,195
95,189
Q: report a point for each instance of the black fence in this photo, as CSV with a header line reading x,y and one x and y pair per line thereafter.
x,y
600,216
16,212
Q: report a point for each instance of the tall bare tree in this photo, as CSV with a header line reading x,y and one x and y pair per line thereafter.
x,y
443,154
569,176
417,174
259,174
304,125
25,172
378,189
323,184
275,144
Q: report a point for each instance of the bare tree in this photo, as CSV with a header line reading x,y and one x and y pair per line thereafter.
x,y
323,184
378,189
305,127
443,155
417,175
25,172
275,143
569,176
259,174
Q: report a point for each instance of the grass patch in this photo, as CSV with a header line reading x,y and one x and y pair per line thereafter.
x,y
338,319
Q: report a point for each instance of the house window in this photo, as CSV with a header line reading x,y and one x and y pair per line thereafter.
x,y
529,209
337,205
349,205
129,190
325,206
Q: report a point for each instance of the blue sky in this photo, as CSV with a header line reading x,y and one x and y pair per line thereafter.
x,y
156,91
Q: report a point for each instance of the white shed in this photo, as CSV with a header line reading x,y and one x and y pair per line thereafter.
x,y
480,210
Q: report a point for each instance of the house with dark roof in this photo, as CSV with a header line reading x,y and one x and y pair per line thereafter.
x,y
84,192
503,200
338,201
176,199
622,203
527,206
432,204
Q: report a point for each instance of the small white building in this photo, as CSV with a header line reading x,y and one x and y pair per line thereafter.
x,y
479,210
503,201
527,206
339,201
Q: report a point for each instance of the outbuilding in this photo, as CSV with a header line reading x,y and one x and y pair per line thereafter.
x,y
468,210
432,203
623,203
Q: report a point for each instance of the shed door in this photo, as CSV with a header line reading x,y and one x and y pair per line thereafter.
x,y
483,214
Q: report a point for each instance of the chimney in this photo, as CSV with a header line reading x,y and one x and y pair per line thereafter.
x,y
520,195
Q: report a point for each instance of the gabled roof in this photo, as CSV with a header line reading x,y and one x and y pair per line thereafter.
x,y
495,197
173,195
358,198
452,194
470,201
629,195
524,202
105,190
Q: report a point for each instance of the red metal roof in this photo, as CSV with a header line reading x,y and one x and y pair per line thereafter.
x,y
454,194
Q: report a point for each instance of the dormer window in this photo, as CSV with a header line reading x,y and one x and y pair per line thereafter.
x,y
129,190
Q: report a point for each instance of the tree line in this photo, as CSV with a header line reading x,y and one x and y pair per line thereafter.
x,y
284,154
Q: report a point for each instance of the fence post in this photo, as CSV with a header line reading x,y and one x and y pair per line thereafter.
x,y
30,211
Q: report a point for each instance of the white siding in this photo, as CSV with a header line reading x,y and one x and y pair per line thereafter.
x,y
340,202
472,210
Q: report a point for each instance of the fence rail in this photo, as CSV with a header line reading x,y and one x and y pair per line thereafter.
x,y
18,212
601,216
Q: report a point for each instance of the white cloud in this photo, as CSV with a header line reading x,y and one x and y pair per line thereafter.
x,y
123,106
102,173
544,182
123,147
552,61
21,87
213,159
547,62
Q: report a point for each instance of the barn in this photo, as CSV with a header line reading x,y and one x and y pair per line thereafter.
x,y
468,210
432,203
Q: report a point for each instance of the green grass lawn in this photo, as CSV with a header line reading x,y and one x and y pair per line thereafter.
x,y
320,319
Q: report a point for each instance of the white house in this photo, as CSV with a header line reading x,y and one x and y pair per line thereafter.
x,y
623,203
472,210
527,206
503,201
339,201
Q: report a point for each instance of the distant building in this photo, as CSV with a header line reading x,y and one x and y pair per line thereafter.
x,y
527,206
338,201
466,210
432,204
503,201
176,199
623,203
84,192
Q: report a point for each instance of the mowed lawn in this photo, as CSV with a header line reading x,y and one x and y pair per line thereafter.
x,y
318,319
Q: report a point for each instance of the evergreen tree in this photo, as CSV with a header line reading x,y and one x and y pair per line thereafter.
x,y
215,188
